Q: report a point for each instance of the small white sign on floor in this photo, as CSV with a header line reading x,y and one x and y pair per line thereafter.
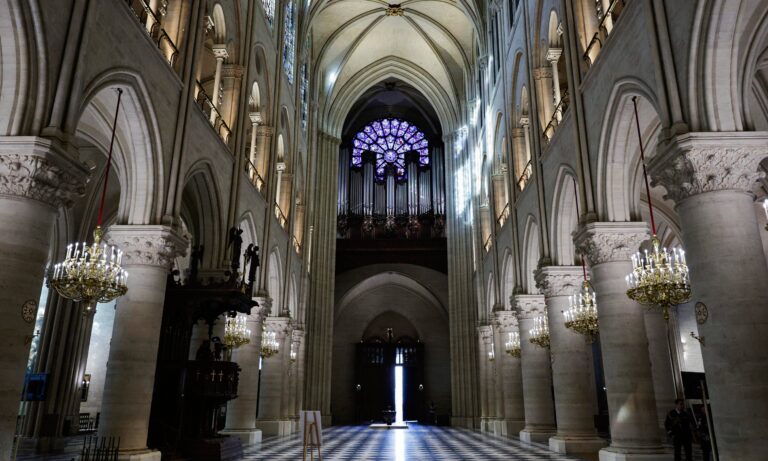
x,y
311,428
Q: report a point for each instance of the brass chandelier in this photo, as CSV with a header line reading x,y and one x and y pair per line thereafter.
x,y
540,331
659,278
93,273
236,331
512,346
269,344
581,316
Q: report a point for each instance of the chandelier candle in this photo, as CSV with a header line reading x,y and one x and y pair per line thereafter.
x,y
581,316
512,346
540,331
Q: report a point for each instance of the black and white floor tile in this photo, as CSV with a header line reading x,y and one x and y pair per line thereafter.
x,y
360,443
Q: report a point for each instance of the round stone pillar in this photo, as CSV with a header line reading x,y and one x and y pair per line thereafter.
x,y
510,375
241,412
487,382
273,414
571,371
36,178
148,253
623,341
710,176
536,373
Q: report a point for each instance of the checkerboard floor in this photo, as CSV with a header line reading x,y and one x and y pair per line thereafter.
x,y
360,443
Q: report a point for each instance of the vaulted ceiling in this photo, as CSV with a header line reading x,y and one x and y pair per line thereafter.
x,y
426,43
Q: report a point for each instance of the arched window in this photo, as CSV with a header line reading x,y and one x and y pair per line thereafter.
x,y
304,95
289,44
390,140
269,10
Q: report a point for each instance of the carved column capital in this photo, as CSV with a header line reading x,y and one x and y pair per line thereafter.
x,y
39,169
505,321
264,130
559,280
529,306
220,51
694,163
485,332
602,242
280,325
147,245
265,303
256,118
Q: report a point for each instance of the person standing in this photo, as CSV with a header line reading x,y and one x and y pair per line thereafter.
x,y
679,426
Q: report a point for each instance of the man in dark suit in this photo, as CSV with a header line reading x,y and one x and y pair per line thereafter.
x,y
679,426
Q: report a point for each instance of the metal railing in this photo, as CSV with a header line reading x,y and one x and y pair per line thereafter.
x,y
152,24
280,216
557,117
487,244
604,29
503,217
525,176
254,176
217,121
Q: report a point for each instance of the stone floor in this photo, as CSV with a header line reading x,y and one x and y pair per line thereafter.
x,y
360,443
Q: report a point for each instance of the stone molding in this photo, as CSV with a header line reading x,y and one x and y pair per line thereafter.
x,y
232,71
602,242
485,332
265,130
328,138
147,245
39,169
558,280
529,306
280,325
505,321
542,72
265,304
694,163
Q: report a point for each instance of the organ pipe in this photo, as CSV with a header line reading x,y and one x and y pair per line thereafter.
x,y
343,200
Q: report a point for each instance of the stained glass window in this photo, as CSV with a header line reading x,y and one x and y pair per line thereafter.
x,y
304,95
269,10
390,139
289,44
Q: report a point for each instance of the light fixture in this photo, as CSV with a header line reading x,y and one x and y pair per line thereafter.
x,y
581,315
765,208
269,344
512,346
93,273
236,331
491,354
292,355
540,331
659,278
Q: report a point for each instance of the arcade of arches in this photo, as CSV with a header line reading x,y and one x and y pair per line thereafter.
x,y
376,201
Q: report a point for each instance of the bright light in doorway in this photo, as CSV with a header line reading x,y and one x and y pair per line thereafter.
x,y
399,394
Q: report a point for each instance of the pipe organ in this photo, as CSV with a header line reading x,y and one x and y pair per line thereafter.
x,y
391,184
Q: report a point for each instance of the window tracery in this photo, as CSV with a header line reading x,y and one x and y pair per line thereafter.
x,y
390,140
289,43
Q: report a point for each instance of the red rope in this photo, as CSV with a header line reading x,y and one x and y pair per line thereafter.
x,y
642,160
109,161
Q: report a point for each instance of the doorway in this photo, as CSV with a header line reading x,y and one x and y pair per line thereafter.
x,y
389,376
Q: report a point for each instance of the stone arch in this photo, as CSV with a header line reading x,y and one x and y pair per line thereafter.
x,y
565,219
508,281
202,211
275,281
531,254
490,297
138,150
618,164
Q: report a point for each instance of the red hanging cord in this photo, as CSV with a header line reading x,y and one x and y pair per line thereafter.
x,y
642,160
109,161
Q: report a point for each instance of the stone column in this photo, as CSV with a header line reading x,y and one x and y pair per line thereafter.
x,y
241,412
624,344
273,417
148,254
571,368
36,178
263,141
510,376
220,53
710,177
542,76
661,366
553,56
296,375
486,382
536,373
